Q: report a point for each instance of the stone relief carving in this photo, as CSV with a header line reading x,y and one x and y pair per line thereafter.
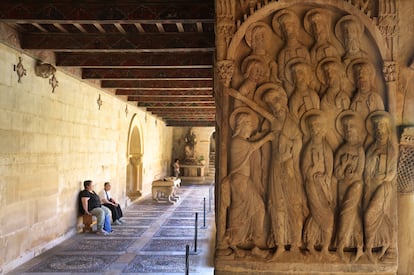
x,y
247,209
348,170
304,96
286,25
317,169
306,180
366,99
317,24
349,30
379,176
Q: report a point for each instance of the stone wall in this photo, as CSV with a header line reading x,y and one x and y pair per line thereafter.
x,y
50,143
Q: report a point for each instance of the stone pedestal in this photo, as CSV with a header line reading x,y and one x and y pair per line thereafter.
x,y
192,172
254,267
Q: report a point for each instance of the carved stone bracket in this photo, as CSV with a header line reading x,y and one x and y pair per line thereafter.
x,y
225,70
390,71
46,70
406,162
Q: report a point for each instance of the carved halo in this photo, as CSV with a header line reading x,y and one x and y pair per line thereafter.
x,y
275,89
338,27
263,89
276,18
350,68
368,121
253,57
249,32
306,20
319,70
290,64
348,113
246,110
305,117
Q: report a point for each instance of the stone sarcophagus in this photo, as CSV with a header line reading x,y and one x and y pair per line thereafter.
x,y
308,155
165,189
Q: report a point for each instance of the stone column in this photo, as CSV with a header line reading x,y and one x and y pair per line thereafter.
x,y
406,203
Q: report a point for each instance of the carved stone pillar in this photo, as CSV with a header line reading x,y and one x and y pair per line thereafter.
x,y
225,70
133,177
406,203
390,75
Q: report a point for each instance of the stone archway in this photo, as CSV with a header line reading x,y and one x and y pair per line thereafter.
x,y
134,162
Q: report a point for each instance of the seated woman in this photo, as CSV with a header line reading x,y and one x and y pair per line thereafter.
x,y
108,201
90,204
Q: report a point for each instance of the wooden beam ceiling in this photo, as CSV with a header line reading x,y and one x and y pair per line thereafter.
x,y
156,53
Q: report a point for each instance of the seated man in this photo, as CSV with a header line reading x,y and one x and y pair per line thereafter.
x,y
90,204
109,202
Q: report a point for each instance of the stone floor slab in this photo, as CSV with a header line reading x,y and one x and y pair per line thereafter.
x,y
158,264
178,232
167,245
76,264
99,244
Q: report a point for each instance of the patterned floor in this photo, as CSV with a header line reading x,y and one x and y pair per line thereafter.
x,y
152,241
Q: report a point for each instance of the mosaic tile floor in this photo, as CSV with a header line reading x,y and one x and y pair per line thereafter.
x,y
151,242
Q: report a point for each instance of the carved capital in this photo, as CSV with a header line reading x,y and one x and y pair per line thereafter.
x,y
226,28
390,71
406,162
225,70
387,25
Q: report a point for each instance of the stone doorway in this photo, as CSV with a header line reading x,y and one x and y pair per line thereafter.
x,y
134,162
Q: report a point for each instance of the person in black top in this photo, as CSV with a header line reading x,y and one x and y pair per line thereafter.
x,y
90,204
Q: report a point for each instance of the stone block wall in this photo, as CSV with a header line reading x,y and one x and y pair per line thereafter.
x,y
50,143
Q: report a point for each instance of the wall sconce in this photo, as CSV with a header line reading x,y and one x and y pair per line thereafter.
x,y
99,102
46,70
20,70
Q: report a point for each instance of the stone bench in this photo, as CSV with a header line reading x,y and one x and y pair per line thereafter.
x,y
164,189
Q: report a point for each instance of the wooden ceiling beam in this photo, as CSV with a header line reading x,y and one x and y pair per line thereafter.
x,y
131,60
156,84
165,93
172,99
171,110
41,11
177,105
190,123
114,42
161,74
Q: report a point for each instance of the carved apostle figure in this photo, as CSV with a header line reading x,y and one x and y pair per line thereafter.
x,y
256,38
317,168
246,210
317,23
287,201
287,25
348,170
349,30
304,97
335,93
379,176
255,72
366,98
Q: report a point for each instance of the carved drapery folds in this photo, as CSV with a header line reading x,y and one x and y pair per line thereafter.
x,y
312,156
406,162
